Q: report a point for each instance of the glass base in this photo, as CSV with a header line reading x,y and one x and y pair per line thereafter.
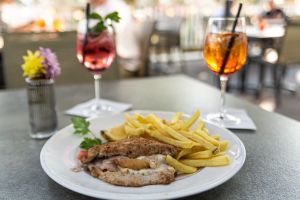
x,y
226,119
97,108
41,135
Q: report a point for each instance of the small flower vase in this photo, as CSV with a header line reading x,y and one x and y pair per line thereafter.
x,y
41,103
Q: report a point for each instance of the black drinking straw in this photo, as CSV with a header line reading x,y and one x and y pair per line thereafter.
x,y
87,16
231,41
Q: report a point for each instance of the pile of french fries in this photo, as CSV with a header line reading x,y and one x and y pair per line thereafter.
x,y
197,147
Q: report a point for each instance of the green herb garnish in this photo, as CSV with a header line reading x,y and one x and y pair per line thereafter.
x,y
113,16
81,128
103,22
89,142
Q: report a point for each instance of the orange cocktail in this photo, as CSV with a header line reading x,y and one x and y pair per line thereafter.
x,y
216,45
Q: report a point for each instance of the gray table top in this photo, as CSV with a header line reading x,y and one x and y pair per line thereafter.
x,y
271,170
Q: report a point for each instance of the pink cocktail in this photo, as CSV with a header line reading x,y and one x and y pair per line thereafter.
x,y
96,51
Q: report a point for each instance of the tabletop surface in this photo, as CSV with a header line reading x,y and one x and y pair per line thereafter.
x,y
271,170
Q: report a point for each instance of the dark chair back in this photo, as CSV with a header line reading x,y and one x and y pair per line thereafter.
x,y
289,51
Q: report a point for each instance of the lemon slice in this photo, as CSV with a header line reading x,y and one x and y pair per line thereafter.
x,y
116,133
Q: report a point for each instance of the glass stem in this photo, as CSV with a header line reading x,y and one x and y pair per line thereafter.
x,y
223,81
97,78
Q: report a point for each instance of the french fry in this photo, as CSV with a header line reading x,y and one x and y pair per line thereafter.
x,y
168,140
208,138
180,166
135,123
132,121
161,127
216,137
178,125
200,154
198,148
176,117
165,122
191,121
152,127
222,153
205,130
183,152
200,140
210,162
128,124
224,145
149,116
156,122
141,118
134,131
200,126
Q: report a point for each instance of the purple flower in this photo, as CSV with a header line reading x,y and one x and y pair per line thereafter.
x,y
50,63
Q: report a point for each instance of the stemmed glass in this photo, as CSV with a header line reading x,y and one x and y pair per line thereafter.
x,y
225,52
96,52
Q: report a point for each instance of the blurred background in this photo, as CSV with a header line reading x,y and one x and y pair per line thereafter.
x,y
161,38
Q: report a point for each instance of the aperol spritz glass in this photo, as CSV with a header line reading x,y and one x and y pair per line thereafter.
x,y
225,52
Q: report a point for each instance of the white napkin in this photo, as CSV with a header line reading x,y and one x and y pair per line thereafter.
x,y
246,122
112,108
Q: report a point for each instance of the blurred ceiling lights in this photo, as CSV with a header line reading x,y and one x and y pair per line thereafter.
x,y
154,39
271,55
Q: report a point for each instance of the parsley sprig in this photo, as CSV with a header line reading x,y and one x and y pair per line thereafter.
x,y
103,22
89,142
81,128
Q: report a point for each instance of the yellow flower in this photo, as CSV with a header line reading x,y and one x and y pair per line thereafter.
x,y
32,66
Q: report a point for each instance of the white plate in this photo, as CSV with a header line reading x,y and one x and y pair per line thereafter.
x,y
58,156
